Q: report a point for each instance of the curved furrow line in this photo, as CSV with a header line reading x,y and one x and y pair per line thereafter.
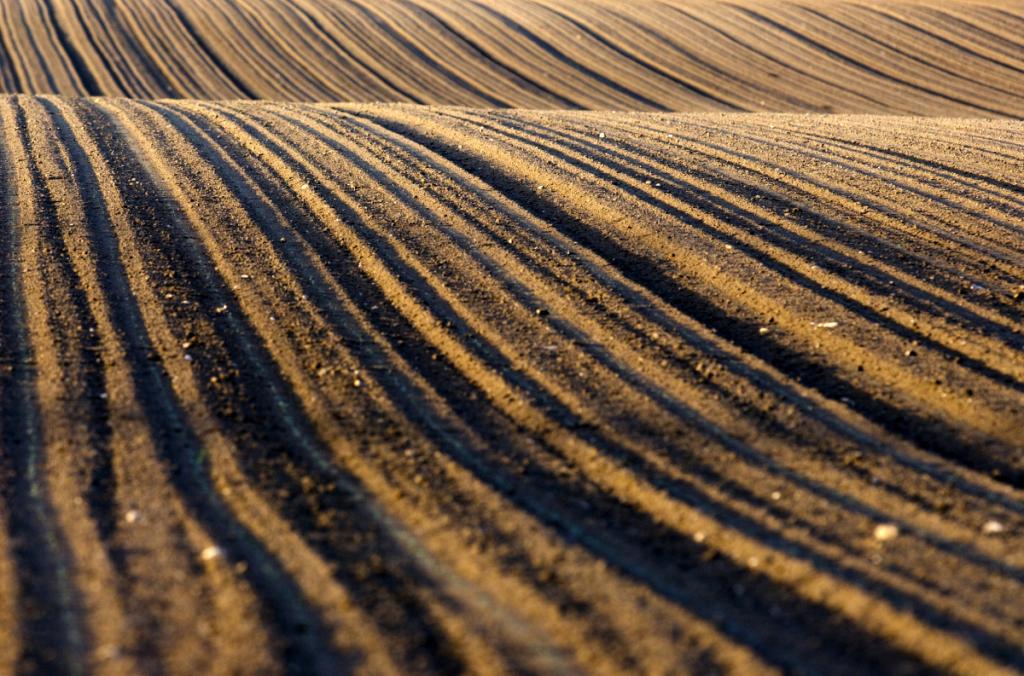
x,y
789,232
396,585
960,43
40,36
487,474
251,68
953,289
211,473
372,370
974,192
371,83
53,607
153,538
643,30
120,49
909,261
544,94
856,355
433,57
462,161
701,93
327,78
520,275
910,61
283,75
967,35
636,161
883,71
632,326
508,182
899,224
760,59
793,55
652,55
613,553
207,56
322,356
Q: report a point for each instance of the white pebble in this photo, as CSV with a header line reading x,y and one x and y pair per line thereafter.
x,y
132,515
776,495
699,536
211,552
992,527
886,531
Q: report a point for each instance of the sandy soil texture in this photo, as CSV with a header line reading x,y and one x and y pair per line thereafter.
x,y
316,388
926,58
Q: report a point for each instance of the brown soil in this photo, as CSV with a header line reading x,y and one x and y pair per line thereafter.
x,y
934,57
311,388
303,387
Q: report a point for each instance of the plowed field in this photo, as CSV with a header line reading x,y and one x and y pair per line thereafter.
x,y
317,387
925,58
330,382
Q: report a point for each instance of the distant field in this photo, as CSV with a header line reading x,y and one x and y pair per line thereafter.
x,y
933,58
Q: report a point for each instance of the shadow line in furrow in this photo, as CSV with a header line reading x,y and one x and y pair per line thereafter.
x,y
928,432
77,325
918,60
981,243
390,593
655,393
693,496
12,83
735,39
918,28
85,74
629,556
645,64
208,52
639,271
432,63
825,49
965,174
489,58
351,54
52,637
923,172
558,55
304,644
371,304
875,280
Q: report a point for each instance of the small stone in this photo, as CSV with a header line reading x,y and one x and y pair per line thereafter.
x,y
699,536
826,325
210,553
601,135
886,531
763,331
131,516
992,527
776,495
